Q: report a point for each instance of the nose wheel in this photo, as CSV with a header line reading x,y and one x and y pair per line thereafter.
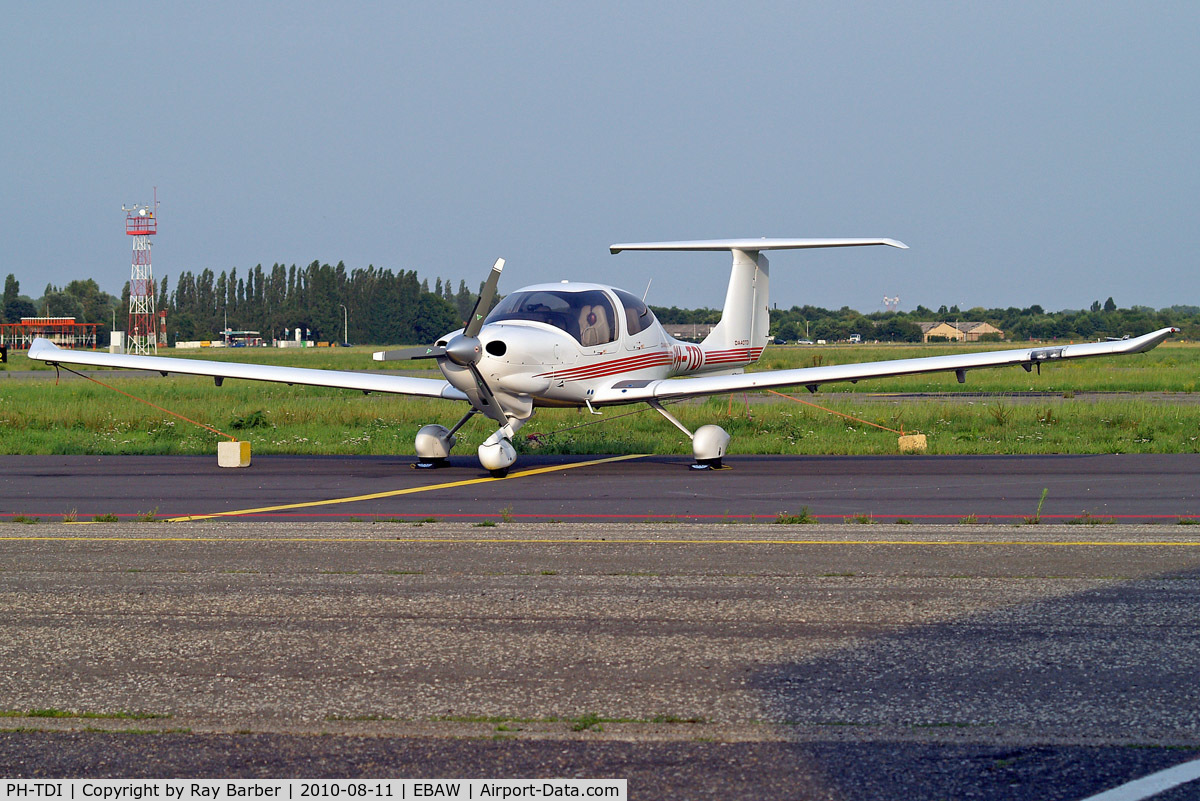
x,y
497,454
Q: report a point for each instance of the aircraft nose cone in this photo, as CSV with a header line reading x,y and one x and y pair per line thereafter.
x,y
463,351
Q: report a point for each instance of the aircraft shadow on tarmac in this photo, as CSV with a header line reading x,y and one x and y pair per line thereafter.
x,y
1051,697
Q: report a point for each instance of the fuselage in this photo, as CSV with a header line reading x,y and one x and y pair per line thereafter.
x,y
557,344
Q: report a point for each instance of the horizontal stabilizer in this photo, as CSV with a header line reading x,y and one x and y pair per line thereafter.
x,y
754,244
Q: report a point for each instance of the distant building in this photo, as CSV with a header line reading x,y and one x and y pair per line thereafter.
x,y
958,331
690,331
242,339
62,331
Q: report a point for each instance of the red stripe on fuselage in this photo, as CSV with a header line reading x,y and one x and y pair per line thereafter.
x,y
732,355
612,367
644,361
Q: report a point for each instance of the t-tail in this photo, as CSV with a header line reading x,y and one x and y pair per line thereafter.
x,y
742,333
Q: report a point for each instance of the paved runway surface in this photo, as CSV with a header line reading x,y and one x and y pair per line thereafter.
x,y
923,489
698,661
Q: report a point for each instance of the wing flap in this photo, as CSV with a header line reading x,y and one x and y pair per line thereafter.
x,y
46,351
628,392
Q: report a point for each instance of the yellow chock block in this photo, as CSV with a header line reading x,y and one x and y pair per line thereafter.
x,y
913,443
233,454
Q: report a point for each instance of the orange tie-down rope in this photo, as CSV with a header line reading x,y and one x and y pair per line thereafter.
x,y
839,414
148,403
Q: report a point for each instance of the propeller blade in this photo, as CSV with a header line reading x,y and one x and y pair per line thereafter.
x,y
404,354
484,303
493,408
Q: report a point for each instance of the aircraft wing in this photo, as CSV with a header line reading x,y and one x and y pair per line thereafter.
x,y
811,377
46,351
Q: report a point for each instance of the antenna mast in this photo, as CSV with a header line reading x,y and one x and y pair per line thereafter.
x,y
141,223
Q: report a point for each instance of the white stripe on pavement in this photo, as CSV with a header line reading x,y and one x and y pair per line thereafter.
x,y
1153,784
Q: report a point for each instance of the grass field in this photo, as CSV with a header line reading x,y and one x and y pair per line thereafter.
x,y
1171,367
78,416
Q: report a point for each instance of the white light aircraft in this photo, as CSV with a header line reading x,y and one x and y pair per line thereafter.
x,y
588,345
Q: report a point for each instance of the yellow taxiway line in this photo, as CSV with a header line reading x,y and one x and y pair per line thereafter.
x,y
407,491
631,541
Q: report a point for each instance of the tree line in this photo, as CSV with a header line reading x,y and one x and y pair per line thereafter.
x,y
329,303
383,307
1033,323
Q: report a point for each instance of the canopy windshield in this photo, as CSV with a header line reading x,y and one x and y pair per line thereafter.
x,y
588,315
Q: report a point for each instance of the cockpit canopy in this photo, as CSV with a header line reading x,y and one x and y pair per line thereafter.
x,y
638,316
586,315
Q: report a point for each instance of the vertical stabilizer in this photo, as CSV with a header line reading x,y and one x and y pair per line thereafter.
x,y
745,317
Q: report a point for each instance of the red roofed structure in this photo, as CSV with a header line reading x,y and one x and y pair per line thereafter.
x,y
62,331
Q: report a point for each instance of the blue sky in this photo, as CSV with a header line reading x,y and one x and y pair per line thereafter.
x,y
1027,152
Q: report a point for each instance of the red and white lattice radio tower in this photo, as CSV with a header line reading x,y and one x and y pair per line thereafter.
x,y
142,335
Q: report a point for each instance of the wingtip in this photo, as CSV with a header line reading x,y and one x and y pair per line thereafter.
x,y
39,346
